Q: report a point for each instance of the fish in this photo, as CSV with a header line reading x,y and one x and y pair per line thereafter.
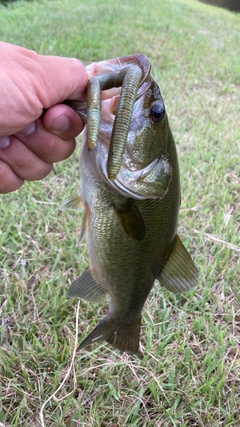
x,y
130,222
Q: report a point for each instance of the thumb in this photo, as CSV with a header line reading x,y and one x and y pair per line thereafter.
x,y
61,78
63,121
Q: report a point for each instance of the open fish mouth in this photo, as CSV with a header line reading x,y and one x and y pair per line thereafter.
x,y
130,192
131,74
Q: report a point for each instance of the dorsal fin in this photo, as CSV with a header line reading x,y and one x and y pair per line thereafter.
x,y
179,273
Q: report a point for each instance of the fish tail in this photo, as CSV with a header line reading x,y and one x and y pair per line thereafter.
x,y
122,335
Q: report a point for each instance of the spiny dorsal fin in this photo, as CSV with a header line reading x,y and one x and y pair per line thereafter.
x,y
72,202
131,220
86,287
179,274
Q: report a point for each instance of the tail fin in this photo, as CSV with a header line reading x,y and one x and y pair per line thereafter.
x,y
122,335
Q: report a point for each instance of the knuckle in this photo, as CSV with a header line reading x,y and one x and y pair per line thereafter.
x,y
9,181
41,170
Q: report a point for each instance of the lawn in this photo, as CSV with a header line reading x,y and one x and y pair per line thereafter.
x,y
189,373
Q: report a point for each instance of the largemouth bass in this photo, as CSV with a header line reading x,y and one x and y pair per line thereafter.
x,y
130,222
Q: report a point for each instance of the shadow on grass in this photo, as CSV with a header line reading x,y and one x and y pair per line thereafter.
x,y
233,5
7,2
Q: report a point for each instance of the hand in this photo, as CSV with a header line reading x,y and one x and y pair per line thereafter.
x,y
30,141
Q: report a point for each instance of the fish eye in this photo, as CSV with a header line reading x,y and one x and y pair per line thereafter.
x,y
157,111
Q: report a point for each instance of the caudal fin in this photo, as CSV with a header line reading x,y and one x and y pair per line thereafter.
x,y
121,335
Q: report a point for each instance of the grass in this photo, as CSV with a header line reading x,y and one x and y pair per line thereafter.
x,y
189,373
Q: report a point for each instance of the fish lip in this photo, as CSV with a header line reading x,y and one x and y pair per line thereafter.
x,y
109,66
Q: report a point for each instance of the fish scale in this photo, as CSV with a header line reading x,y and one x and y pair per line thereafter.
x,y
130,224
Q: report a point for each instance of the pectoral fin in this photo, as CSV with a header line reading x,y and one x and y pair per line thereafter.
x,y
73,202
83,225
131,220
179,274
86,287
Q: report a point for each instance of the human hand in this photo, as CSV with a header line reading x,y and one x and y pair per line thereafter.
x,y
30,141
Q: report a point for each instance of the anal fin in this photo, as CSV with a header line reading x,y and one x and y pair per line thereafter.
x,y
179,274
86,287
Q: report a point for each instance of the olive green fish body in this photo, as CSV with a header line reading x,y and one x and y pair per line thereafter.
x,y
130,223
124,266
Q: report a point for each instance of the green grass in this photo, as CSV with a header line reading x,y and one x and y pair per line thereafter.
x,y
189,373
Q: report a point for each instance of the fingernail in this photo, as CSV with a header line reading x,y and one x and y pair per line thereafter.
x,y
4,141
61,124
29,129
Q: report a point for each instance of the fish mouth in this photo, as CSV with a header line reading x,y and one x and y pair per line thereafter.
x,y
132,74
126,78
121,92
114,67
